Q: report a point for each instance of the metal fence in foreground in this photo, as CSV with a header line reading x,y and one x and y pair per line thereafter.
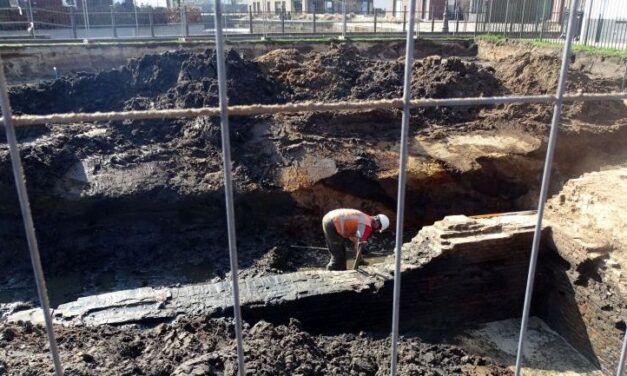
x,y
406,103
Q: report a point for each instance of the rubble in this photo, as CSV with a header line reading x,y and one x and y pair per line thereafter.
x,y
203,346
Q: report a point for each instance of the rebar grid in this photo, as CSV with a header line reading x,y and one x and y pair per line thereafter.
x,y
224,111
544,189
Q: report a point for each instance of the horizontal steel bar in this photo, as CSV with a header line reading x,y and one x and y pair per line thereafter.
x,y
261,109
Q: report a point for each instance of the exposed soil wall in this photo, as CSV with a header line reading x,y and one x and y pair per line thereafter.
x,y
126,204
585,290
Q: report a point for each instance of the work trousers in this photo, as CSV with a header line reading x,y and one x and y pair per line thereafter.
x,y
336,245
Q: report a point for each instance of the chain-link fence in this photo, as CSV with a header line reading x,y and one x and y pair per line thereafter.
x,y
600,23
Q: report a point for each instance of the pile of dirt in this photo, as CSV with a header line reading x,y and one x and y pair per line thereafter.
x,y
172,79
341,72
194,346
135,198
589,210
538,74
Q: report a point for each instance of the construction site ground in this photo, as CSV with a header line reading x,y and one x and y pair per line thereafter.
x,y
127,204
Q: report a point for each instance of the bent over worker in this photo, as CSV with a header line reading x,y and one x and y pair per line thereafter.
x,y
343,225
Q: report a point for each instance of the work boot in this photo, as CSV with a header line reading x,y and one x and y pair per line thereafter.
x,y
333,266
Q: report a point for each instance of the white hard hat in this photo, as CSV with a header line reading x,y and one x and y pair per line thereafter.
x,y
384,220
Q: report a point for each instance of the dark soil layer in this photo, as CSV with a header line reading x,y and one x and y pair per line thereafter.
x,y
126,204
206,347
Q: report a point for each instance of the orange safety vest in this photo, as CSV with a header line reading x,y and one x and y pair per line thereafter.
x,y
351,223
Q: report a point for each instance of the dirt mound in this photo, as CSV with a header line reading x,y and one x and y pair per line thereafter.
x,y
171,79
341,72
529,74
537,74
206,347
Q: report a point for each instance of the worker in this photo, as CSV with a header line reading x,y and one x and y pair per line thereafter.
x,y
343,225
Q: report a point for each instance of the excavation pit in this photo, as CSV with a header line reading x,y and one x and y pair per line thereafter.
x,y
138,206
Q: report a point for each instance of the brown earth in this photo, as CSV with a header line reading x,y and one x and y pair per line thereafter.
x,y
196,346
116,204
127,204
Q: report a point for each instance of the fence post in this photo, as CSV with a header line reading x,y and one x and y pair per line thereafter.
x,y
250,19
432,21
136,19
506,17
113,24
445,21
456,13
404,18
73,21
185,21
151,19
586,25
522,18
375,21
343,19
31,26
543,21
314,18
490,16
282,19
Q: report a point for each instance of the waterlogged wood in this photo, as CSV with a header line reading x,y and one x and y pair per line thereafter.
x,y
456,240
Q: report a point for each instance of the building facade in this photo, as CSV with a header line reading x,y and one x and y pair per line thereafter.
x,y
309,6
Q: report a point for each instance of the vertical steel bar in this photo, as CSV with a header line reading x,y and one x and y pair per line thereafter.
x,y
343,19
31,27
250,19
73,21
404,19
535,21
29,226
151,21
375,21
506,16
620,371
136,19
228,185
522,18
186,21
86,19
282,19
490,16
546,178
543,20
113,27
402,176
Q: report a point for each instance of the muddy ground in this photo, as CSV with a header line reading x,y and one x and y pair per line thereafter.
x,y
206,347
126,204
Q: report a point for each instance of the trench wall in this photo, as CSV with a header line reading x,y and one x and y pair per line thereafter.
x,y
587,311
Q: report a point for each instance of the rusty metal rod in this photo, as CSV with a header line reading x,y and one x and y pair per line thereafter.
x,y
27,217
261,109
544,189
